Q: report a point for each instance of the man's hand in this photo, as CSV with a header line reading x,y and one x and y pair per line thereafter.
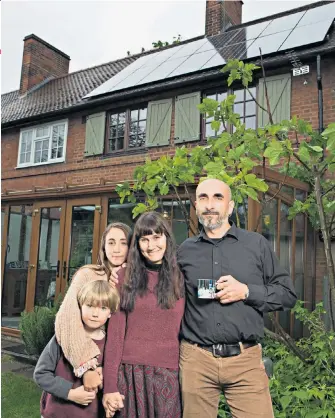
x,y
231,290
112,402
81,396
113,278
92,380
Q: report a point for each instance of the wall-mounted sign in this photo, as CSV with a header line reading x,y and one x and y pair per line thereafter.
x,y
301,70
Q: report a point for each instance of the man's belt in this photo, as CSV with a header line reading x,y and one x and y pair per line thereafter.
x,y
226,350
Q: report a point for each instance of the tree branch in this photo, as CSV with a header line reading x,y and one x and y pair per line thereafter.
x,y
329,190
254,99
300,161
289,342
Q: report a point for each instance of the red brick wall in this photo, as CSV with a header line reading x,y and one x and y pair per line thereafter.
x,y
217,12
40,61
304,99
304,104
76,169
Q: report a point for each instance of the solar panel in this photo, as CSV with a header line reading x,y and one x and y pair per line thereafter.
x,y
162,71
268,44
279,34
308,34
207,46
189,49
215,61
196,61
233,51
282,24
248,32
318,14
162,56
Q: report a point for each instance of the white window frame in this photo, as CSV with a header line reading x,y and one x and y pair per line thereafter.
x,y
34,140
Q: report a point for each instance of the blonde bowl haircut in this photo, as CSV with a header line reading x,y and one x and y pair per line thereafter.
x,y
99,293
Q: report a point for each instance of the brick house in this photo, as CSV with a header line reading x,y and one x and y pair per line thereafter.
x,y
69,138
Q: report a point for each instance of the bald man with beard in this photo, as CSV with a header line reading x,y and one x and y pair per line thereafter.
x,y
220,350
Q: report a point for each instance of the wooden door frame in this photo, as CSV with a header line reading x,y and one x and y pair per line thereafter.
x,y
34,249
4,237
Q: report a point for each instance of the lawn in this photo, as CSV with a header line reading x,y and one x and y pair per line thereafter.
x,y
20,397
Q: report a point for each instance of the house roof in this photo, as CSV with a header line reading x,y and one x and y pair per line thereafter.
x,y
59,93
66,93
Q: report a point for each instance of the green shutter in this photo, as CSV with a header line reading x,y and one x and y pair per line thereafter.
x,y
279,92
187,119
159,123
95,134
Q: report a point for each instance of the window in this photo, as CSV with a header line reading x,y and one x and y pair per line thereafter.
x,y
244,105
126,130
43,144
209,132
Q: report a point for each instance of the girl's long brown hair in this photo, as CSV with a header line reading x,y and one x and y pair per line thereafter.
x,y
170,285
103,265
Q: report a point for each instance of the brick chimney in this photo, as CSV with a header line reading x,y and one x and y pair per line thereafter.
x,y
220,14
41,61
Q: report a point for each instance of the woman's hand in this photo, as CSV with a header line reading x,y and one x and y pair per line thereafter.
x,y
112,402
92,380
113,278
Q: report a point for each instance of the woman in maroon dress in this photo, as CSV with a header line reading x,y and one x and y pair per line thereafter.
x,y
142,349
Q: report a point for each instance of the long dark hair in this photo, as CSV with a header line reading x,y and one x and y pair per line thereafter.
x,y
103,264
170,285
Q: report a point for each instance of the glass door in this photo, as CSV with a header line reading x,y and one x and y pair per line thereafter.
x,y
81,239
15,258
46,253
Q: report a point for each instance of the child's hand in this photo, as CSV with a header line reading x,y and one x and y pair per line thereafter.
x,y
99,371
113,279
112,402
92,380
81,396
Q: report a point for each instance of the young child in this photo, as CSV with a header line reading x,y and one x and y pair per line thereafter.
x,y
64,395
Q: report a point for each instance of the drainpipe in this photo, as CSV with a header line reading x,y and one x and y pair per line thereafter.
x,y
320,97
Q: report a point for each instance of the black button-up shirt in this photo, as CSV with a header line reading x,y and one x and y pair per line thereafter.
x,y
248,257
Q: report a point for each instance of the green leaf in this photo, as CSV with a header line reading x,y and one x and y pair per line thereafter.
x,y
315,148
301,394
303,153
274,152
215,125
285,401
139,209
256,183
329,133
247,163
251,193
163,189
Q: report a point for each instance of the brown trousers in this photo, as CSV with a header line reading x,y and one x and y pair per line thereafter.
x,y
242,379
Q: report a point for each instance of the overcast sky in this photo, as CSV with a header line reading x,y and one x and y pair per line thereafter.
x,y
94,32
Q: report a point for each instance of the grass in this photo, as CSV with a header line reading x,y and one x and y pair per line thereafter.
x,y
5,358
20,397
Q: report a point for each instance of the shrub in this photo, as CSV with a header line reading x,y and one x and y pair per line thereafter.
x,y
37,327
302,389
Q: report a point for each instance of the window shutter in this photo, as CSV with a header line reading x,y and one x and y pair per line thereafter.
x,y
187,119
95,134
279,92
159,123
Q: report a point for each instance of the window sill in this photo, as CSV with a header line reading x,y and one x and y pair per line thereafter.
x,y
125,153
39,164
